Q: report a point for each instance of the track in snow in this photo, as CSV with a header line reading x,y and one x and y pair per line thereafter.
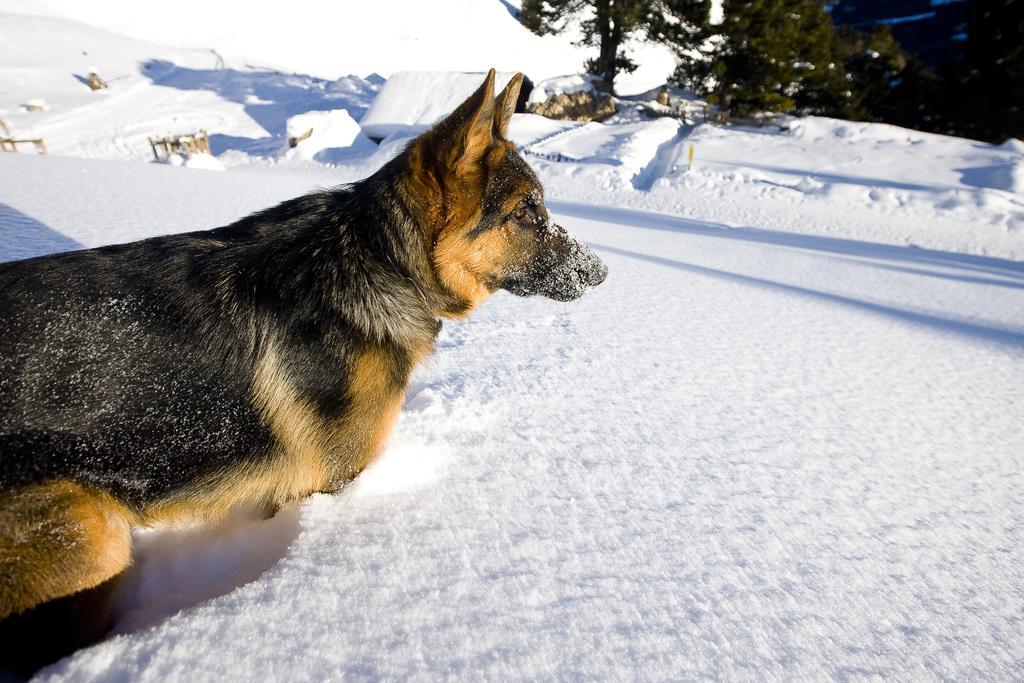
x,y
667,158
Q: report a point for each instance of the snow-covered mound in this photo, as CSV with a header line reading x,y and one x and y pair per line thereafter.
x,y
49,59
410,101
526,129
327,136
748,454
627,147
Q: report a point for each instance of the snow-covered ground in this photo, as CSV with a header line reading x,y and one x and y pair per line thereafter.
x,y
782,441
820,176
748,454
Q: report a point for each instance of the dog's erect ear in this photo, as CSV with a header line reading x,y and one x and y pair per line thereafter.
x,y
466,133
506,106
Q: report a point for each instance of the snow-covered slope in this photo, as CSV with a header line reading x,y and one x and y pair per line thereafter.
x,y
893,185
747,455
334,39
887,184
153,91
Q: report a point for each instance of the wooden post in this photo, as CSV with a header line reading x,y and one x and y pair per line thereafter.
x,y
292,142
663,97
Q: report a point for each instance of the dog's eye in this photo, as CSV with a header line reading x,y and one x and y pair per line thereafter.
x,y
522,214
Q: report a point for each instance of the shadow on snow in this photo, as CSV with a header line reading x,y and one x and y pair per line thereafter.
x,y
269,98
960,267
839,179
177,569
22,236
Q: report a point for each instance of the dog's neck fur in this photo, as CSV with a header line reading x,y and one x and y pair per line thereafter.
x,y
390,292
411,241
360,255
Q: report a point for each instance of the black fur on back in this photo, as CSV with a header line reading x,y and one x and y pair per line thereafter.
x,y
130,367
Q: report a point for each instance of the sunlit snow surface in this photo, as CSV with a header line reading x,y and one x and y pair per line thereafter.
x,y
781,441
748,454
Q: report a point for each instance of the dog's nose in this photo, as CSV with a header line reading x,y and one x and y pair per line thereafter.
x,y
593,270
598,274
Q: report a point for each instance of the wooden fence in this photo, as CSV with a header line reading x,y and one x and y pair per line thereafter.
x,y
185,145
9,143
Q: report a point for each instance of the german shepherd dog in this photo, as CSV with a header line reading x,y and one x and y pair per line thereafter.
x,y
181,377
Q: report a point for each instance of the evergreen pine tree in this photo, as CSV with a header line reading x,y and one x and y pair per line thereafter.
x,y
695,57
777,55
541,17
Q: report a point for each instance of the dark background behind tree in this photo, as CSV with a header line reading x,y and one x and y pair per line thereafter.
x,y
979,94
933,31
985,91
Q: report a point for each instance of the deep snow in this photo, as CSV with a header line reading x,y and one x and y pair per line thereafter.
x,y
748,454
781,441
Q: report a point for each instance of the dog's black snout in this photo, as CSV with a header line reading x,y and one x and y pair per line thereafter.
x,y
599,273
563,269
592,269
